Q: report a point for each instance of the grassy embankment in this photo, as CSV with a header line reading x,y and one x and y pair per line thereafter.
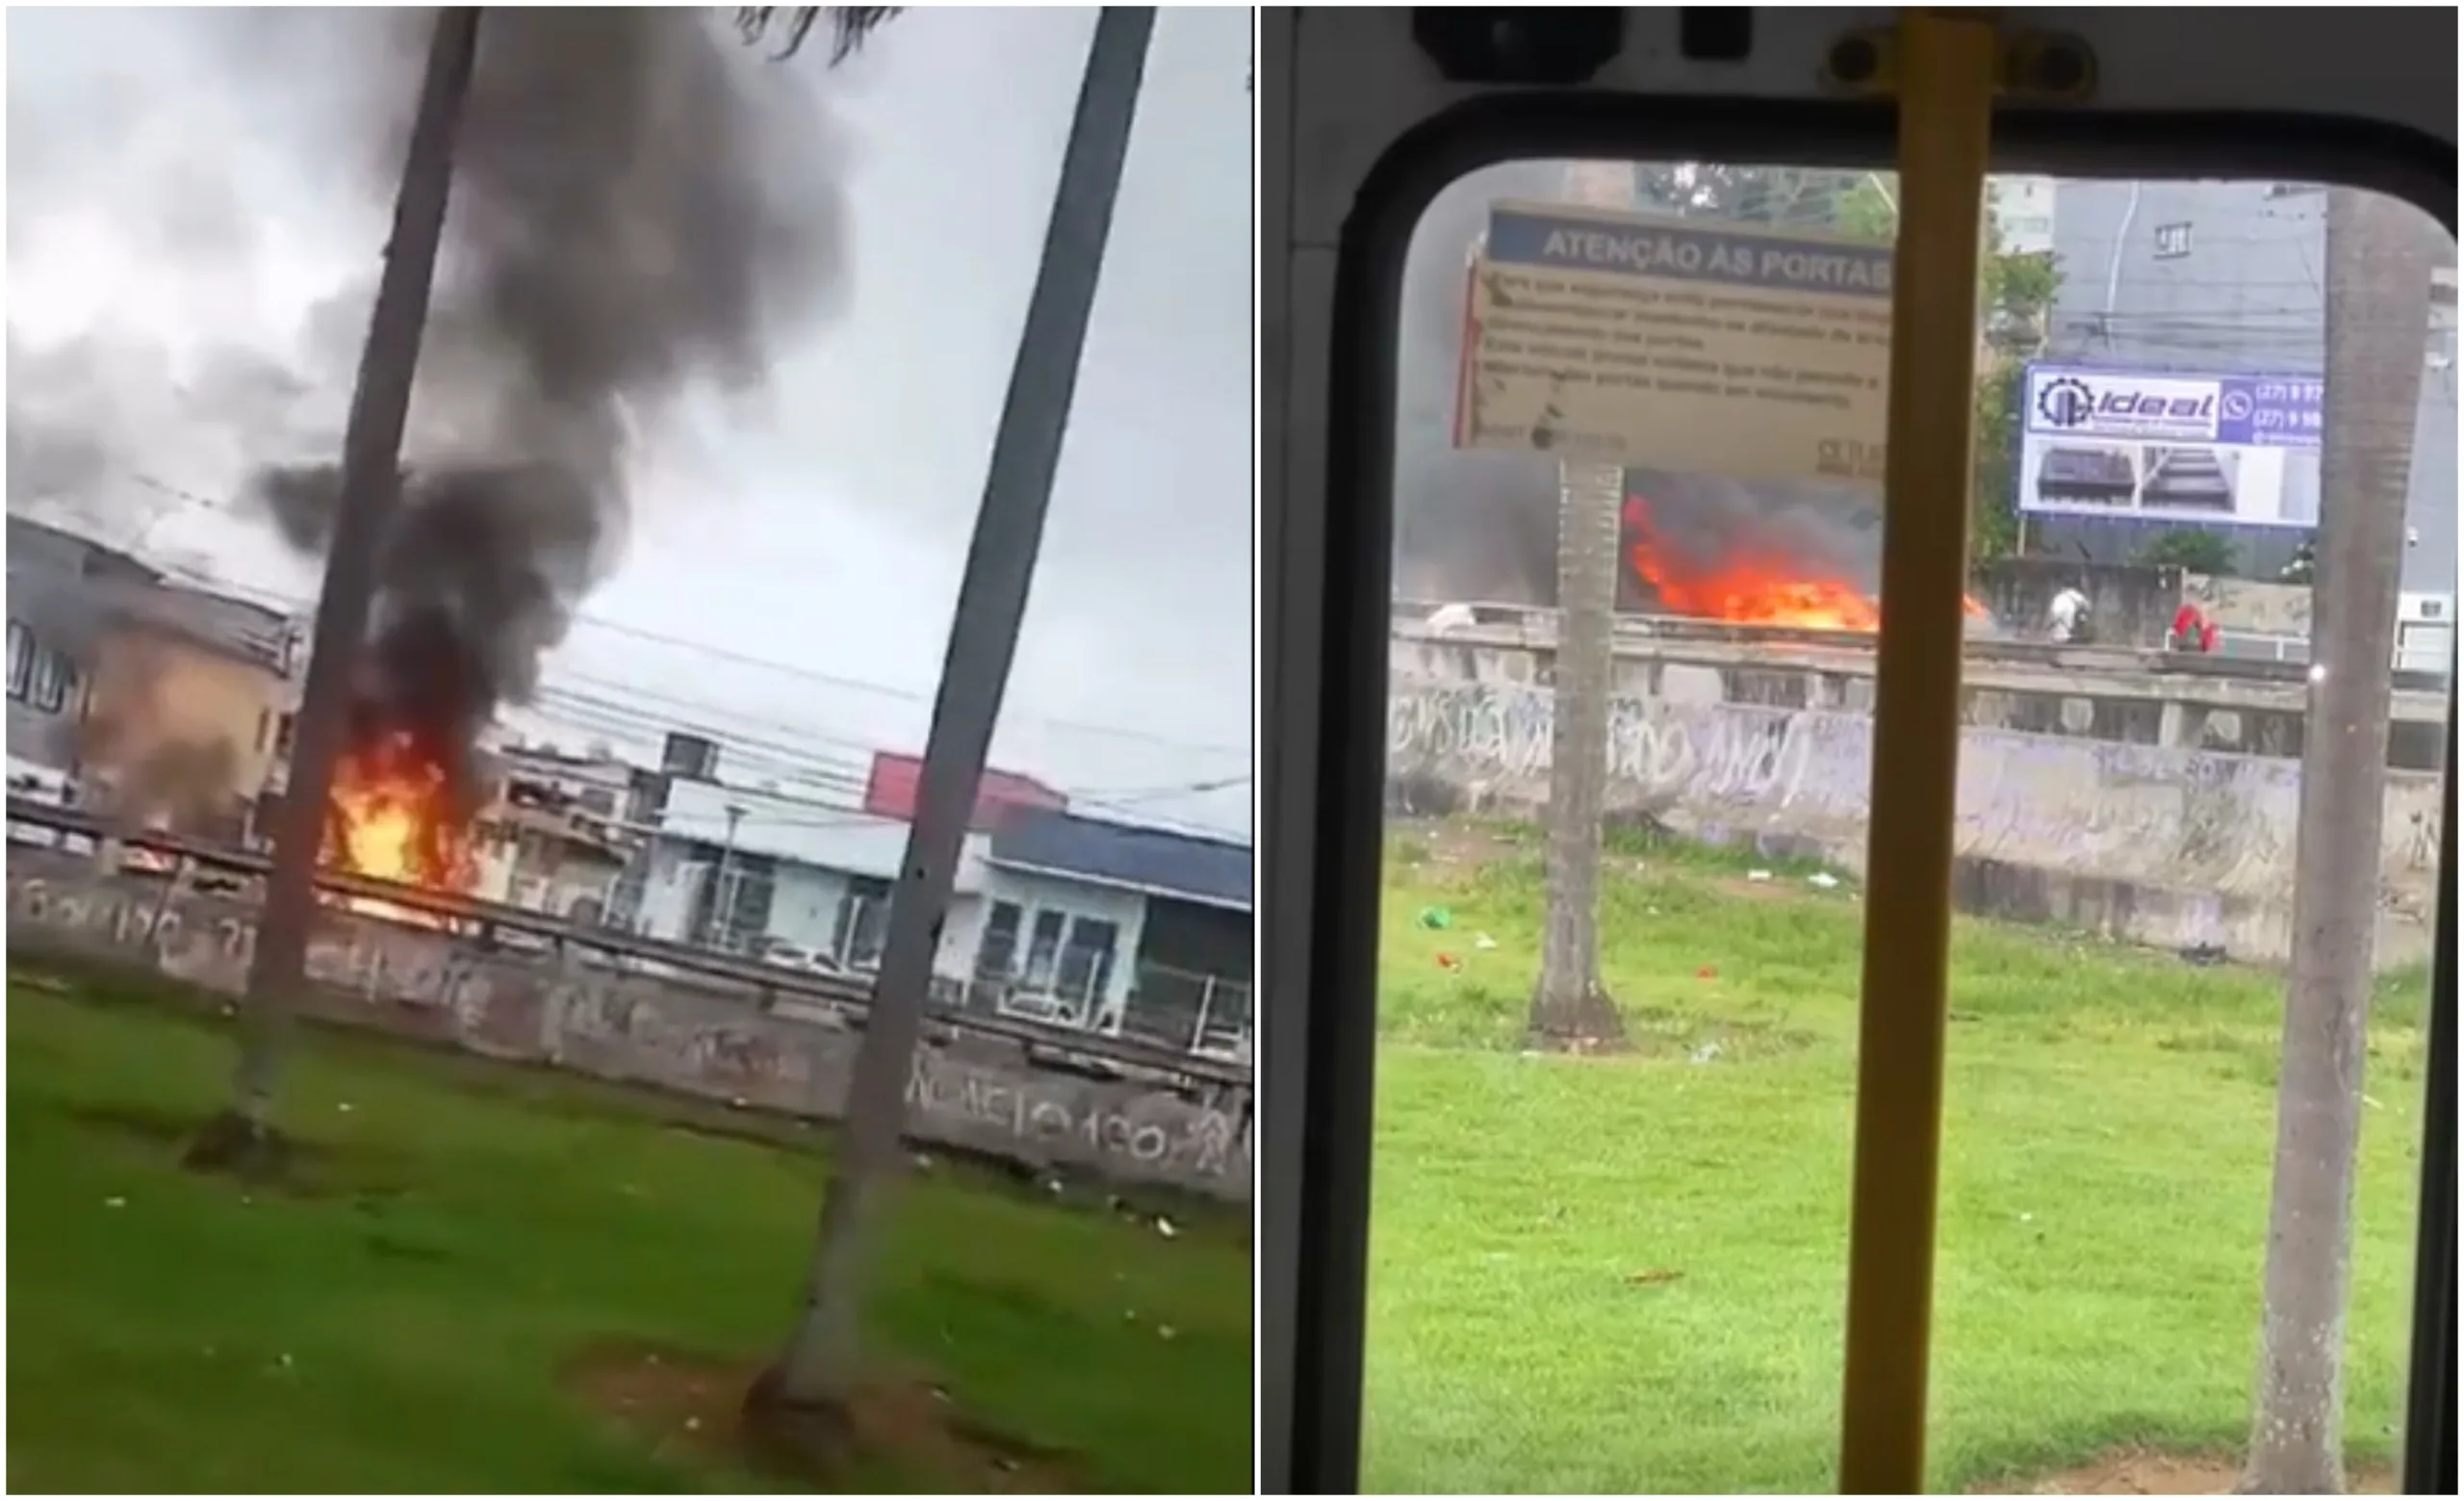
x,y
466,1288
1627,1274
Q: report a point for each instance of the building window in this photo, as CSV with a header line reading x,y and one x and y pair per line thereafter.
x,y
1041,951
2172,241
21,660
753,884
731,907
999,947
53,677
864,923
1087,959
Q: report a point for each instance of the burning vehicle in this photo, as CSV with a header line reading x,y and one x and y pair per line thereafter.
x,y
1798,558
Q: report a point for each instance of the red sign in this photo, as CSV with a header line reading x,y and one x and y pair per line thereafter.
x,y
889,791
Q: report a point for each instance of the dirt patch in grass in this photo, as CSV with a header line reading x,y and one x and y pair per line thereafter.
x,y
687,1404
2149,1472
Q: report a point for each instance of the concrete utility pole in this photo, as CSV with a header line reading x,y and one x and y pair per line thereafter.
x,y
372,483
819,1368
2379,257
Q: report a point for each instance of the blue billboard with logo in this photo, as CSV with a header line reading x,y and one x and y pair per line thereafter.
x,y
2169,446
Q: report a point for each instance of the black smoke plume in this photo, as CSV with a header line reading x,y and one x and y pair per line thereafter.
x,y
638,205
1475,525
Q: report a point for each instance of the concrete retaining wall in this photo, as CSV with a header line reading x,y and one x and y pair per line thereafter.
x,y
2096,693
2149,844
970,1092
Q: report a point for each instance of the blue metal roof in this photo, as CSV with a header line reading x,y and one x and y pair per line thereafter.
x,y
1162,862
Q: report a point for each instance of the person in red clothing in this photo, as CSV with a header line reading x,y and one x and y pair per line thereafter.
x,y
2193,632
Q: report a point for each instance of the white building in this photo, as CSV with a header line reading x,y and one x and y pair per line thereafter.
x,y
780,876
1054,918
2022,209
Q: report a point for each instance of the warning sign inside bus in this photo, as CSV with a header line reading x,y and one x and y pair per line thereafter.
x,y
1688,345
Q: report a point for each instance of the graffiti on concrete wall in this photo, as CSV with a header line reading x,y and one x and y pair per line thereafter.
x,y
1153,1130
2171,822
1660,750
212,941
676,1033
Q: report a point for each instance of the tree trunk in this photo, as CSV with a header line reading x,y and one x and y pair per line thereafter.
x,y
803,1398
2377,319
1571,1008
372,482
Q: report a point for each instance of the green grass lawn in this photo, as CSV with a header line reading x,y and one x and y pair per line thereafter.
x,y
1628,1274
404,1330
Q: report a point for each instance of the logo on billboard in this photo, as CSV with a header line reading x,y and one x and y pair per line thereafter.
x,y
2065,401
2119,406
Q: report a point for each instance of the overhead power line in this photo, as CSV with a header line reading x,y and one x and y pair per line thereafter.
x,y
728,653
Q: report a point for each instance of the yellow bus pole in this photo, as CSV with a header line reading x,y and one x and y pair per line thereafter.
x,y
1945,66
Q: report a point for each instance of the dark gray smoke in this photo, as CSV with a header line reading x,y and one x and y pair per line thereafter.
x,y
1473,525
1469,525
636,206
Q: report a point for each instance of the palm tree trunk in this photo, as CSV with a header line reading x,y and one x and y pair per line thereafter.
x,y
818,1370
1571,1008
371,454
2378,320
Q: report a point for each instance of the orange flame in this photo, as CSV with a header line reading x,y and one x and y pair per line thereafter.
x,y
393,816
1747,588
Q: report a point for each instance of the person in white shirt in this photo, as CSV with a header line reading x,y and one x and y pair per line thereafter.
x,y
2069,615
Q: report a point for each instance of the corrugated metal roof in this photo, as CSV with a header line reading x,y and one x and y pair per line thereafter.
x,y
1164,862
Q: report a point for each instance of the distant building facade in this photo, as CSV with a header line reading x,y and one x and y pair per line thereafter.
x,y
2023,209
1055,916
552,834
169,703
1120,929
2228,278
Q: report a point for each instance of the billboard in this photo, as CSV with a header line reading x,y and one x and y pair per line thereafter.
x,y
1688,345
2166,447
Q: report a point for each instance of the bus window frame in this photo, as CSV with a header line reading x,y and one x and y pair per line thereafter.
x,y
1323,793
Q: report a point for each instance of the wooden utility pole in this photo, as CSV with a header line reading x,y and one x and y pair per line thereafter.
x,y
370,484
1570,1008
818,1371
2379,255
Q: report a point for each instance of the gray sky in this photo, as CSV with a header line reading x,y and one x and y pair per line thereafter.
x,y
167,205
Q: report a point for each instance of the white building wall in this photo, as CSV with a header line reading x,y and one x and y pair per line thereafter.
x,y
803,906
962,934
2022,209
668,890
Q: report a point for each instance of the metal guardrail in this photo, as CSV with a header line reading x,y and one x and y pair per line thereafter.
x,y
771,984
